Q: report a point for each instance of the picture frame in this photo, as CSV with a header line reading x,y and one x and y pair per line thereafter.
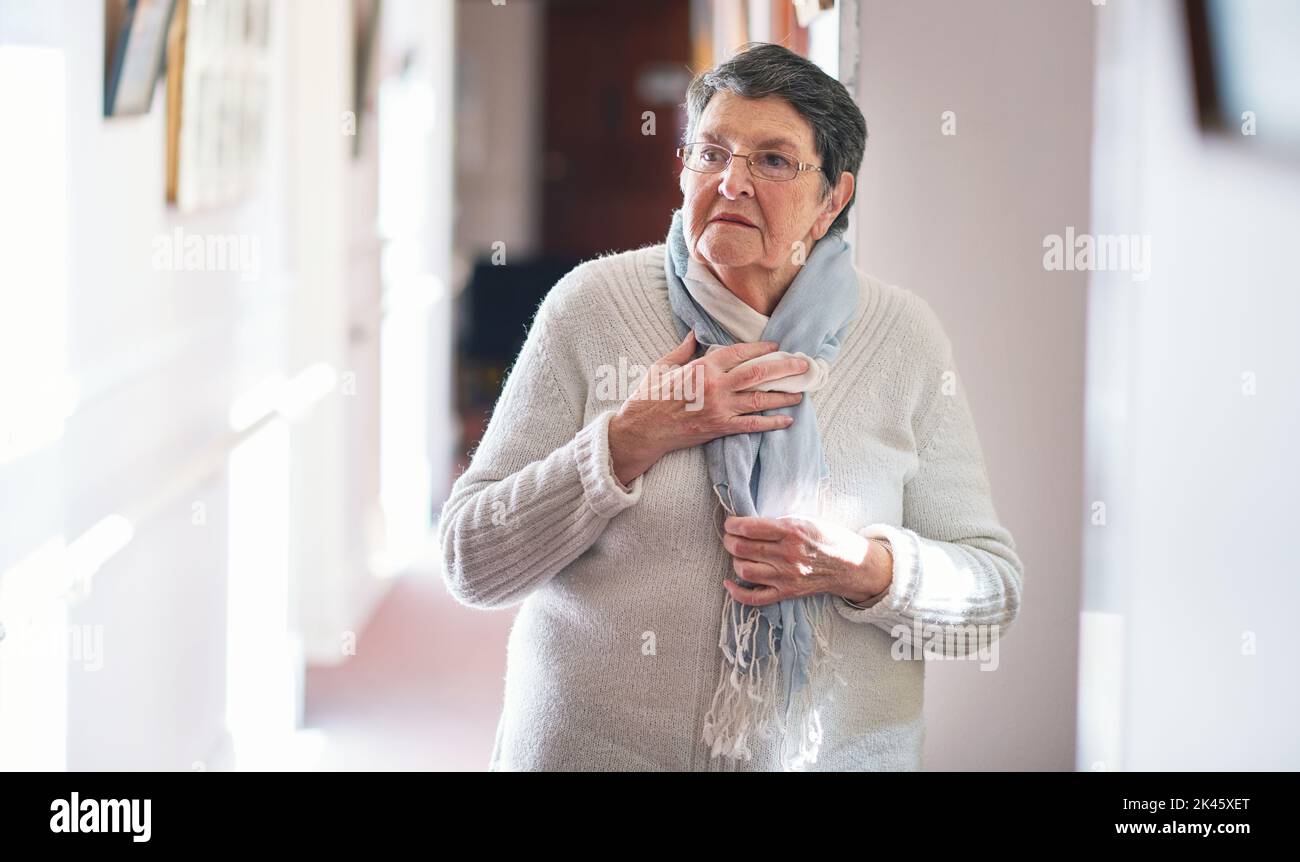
x,y
1243,63
135,46
365,24
218,95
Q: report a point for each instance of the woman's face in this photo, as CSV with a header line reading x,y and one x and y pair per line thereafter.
x,y
782,214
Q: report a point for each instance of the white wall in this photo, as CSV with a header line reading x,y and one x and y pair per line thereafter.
x,y
331,216
960,220
205,573
420,431
153,362
1188,657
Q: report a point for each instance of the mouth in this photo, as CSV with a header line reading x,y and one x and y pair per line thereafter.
x,y
732,218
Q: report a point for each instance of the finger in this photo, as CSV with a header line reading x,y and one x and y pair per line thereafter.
x,y
755,527
755,597
733,354
757,402
756,423
682,353
756,572
754,550
749,375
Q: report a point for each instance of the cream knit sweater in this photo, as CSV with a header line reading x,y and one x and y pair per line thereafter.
x,y
613,656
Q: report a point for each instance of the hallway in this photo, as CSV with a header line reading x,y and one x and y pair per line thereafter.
x,y
267,268
423,691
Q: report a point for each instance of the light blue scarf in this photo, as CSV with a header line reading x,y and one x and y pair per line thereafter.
x,y
772,473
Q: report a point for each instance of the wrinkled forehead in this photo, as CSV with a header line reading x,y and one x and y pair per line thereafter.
x,y
741,124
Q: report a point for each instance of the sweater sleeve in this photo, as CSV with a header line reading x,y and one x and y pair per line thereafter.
x,y
540,488
957,577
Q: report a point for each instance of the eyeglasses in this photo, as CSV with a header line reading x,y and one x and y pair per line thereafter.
x,y
766,164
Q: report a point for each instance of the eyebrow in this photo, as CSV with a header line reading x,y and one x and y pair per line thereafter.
x,y
765,144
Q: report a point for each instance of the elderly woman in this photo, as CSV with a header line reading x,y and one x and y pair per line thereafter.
x,y
740,563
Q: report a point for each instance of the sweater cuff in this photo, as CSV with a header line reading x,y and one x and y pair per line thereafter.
x,y
907,576
604,493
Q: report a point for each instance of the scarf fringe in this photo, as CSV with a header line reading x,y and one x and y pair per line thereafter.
x,y
746,703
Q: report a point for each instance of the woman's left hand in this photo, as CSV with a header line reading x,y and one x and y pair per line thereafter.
x,y
790,557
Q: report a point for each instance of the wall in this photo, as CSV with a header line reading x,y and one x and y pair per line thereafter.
x,y
1187,659
960,219
157,566
499,54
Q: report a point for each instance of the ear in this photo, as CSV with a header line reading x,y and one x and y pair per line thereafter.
x,y
833,204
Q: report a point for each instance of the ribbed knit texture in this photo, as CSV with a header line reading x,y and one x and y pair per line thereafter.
x,y
614,656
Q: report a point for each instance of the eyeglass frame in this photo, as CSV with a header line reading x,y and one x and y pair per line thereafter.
x,y
748,157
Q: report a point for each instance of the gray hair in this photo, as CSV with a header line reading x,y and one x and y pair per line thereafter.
x,y
761,69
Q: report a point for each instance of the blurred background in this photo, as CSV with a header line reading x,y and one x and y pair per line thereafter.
x,y
264,264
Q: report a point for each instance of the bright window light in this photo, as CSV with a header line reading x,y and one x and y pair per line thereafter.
x,y
38,395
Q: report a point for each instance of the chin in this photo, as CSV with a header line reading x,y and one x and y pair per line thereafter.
x,y
730,252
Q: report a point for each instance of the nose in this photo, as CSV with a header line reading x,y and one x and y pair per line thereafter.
x,y
736,181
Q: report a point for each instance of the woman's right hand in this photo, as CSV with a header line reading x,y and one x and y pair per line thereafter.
x,y
683,402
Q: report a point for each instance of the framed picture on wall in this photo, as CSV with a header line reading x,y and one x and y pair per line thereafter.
x,y
365,32
1245,67
136,36
218,94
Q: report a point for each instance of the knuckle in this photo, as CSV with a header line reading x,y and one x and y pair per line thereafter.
x,y
749,375
789,549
